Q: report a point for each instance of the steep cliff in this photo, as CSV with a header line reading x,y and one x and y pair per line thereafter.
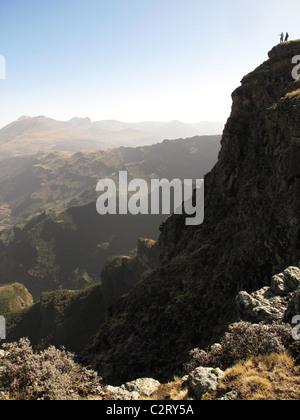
x,y
69,318
250,233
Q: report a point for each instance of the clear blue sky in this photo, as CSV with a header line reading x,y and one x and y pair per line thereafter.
x,y
134,60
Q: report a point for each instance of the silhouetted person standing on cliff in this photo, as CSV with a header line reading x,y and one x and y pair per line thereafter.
x,y
281,37
286,37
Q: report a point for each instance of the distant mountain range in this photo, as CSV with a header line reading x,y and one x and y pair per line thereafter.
x,y
34,135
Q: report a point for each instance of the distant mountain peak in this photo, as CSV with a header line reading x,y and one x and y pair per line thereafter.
x,y
79,121
24,117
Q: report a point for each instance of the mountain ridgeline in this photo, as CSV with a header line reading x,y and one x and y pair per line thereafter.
x,y
185,294
29,136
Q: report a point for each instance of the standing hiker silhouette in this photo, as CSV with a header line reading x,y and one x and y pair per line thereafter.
x,y
286,37
281,37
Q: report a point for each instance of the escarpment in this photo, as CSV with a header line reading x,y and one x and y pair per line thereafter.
x,y
250,233
69,318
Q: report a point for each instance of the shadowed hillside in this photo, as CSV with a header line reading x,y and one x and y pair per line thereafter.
x,y
69,250
70,318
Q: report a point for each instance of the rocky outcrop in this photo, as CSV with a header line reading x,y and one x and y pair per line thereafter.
x,y
276,303
115,393
144,386
293,309
250,233
287,282
203,380
135,390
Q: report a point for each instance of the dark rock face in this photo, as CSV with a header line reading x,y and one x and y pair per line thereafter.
x,y
250,233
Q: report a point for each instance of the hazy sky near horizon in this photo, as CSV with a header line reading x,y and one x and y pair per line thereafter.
x,y
134,60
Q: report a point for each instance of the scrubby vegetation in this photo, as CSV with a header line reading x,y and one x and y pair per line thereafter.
x,y
261,362
243,340
269,377
265,377
48,375
254,357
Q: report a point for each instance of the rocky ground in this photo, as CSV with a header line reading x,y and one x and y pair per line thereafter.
x,y
278,303
280,378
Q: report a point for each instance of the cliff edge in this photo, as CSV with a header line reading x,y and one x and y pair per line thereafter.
x,y
250,233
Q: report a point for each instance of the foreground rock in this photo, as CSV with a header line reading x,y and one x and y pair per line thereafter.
x,y
134,390
145,386
203,380
121,394
287,282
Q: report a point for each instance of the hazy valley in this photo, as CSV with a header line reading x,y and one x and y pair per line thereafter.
x,y
56,181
